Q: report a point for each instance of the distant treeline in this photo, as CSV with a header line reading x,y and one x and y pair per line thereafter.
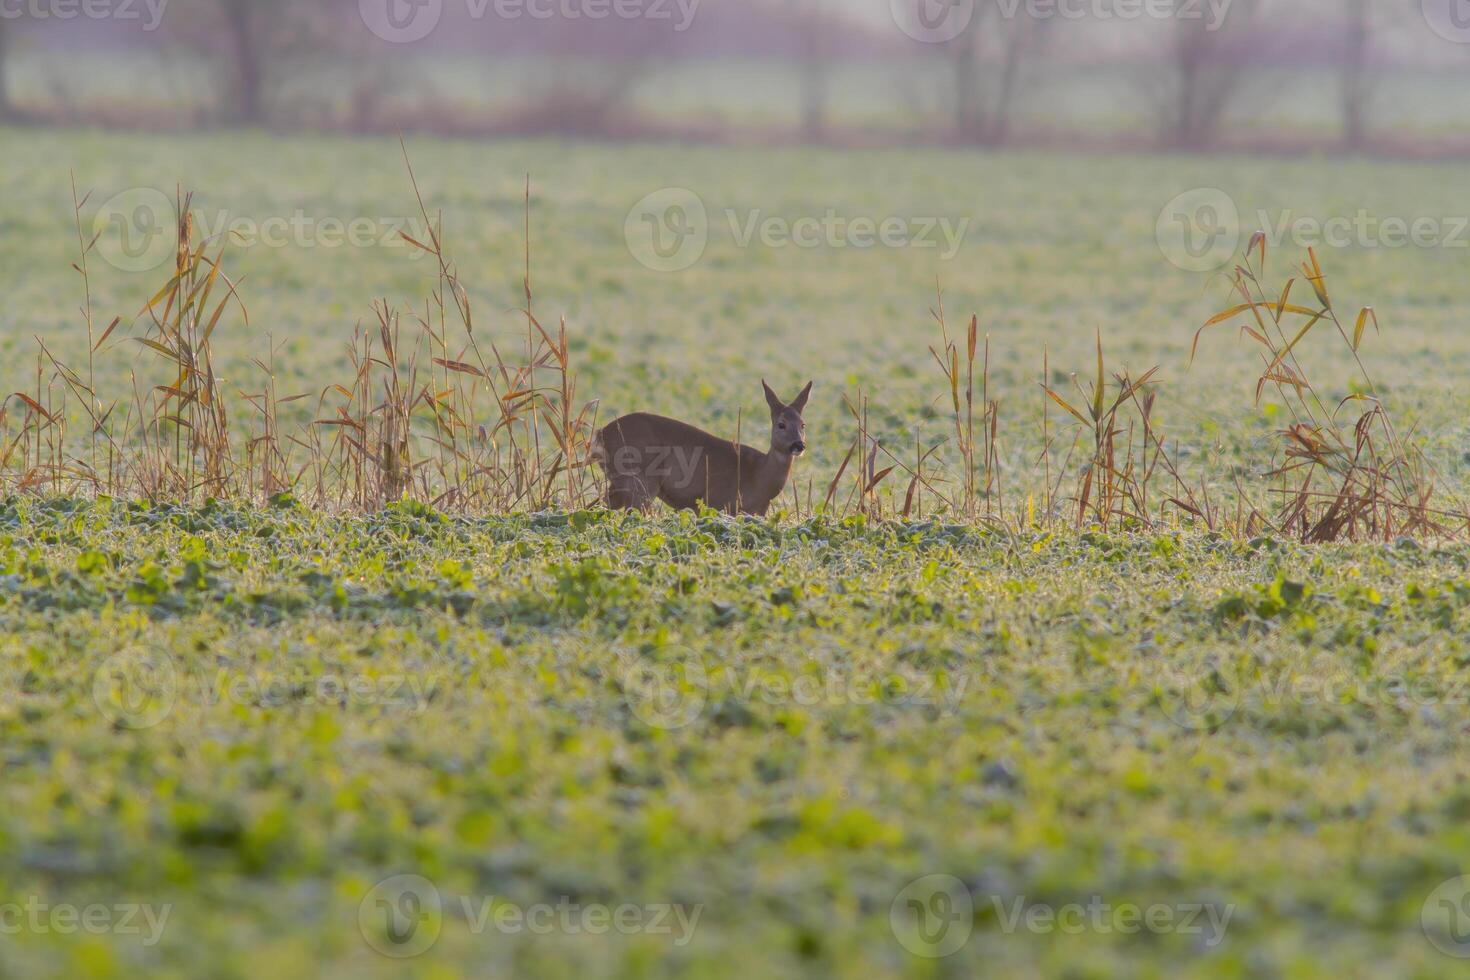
x,y
1195,62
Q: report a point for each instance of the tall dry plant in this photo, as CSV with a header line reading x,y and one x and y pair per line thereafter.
x,y
1126,450
1342,471
437,411
433,411
979,481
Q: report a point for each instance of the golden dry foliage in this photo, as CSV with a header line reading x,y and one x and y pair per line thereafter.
x,y
430,413
437,413
1343,472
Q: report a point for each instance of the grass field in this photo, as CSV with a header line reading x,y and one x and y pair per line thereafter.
x,y
1047,258
769,738
254,718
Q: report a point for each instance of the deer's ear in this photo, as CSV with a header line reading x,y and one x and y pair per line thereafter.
x,y
771,399
800,403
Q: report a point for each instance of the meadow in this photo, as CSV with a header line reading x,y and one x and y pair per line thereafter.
x,y
769,736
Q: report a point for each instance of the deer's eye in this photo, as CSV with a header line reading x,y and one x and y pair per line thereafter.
x,y
780,425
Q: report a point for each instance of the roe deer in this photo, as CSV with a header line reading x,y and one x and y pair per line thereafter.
x,y
648,457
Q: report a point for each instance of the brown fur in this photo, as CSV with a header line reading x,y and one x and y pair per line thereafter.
x,y
649,457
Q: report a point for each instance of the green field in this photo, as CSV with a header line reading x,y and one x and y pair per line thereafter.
x,y
748,738
253,718
1055,249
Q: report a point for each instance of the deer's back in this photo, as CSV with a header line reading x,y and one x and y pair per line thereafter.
x,y
681,464
644,431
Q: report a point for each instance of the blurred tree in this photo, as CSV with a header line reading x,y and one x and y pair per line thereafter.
x,y
964,58
1023,40
1355,69
1207,63
981,114
590,75
7,111
253,28
254,43
810,26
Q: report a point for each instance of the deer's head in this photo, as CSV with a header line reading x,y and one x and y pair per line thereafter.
x,y
788,431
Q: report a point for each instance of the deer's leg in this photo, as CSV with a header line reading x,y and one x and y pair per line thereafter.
x,y
630,493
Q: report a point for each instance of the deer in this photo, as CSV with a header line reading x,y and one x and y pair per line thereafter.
x,y
649,457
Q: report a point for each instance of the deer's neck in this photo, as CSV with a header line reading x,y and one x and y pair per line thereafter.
x,y
769,478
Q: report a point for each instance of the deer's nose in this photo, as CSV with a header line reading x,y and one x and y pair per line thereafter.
x,y
798,448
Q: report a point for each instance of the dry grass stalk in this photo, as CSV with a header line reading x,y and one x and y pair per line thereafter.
x,y
1343,473
434,412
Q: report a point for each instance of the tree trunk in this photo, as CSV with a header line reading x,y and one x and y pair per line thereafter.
x,y
1355,76
814,77
1024,37
6,110
249,72
1186,123
966,110
1207,78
